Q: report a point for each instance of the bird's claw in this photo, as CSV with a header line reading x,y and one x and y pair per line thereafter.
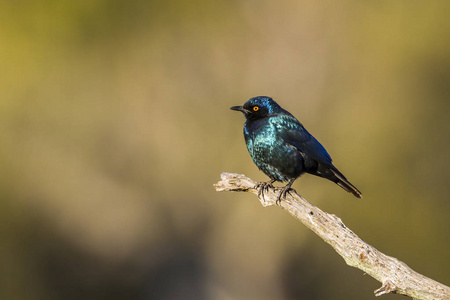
x,y
284,191
264,187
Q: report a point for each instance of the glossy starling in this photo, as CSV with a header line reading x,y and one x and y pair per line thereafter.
x,y
283,149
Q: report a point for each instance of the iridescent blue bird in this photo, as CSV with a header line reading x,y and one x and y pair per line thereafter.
x,y
283,149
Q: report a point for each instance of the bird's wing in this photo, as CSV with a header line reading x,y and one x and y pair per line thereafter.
x,y
296,135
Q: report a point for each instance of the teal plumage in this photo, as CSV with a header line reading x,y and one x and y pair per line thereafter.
x,y
283,149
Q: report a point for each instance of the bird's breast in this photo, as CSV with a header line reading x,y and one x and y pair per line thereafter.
x,y
271,154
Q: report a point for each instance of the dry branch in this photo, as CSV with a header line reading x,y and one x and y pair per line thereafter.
x,y
396,277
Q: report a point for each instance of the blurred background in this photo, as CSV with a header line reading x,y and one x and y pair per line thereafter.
x,y
115,124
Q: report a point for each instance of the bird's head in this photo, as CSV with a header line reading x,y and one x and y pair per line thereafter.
x,y
258,107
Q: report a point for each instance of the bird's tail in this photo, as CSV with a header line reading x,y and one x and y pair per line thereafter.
x,y
345,184
337,177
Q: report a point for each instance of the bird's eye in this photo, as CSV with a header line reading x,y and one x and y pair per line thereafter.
x,y
255,108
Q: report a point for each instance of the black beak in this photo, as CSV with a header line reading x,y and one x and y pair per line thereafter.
x,y
240,108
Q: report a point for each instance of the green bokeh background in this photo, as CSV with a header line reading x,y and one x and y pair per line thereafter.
x,y
115,124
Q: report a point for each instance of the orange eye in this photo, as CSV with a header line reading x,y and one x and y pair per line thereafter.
x,y
255,108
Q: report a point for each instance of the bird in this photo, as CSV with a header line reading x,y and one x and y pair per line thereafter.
x,y
283,149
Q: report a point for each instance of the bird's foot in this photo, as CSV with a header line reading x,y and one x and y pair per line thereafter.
x,y
264,187
284,191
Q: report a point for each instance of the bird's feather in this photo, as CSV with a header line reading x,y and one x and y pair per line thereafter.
x,y
296,135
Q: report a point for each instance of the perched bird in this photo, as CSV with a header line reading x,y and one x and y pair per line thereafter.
x,y
283,149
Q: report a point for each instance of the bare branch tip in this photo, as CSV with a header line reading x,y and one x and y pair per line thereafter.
x,y
234,182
